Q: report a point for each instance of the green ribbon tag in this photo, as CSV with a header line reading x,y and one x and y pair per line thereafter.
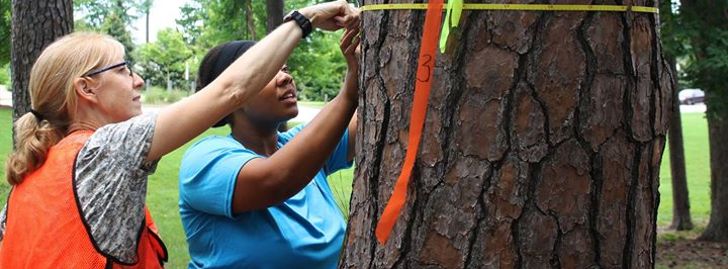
x,y
452,19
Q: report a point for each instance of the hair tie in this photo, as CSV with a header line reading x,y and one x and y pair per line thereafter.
x,y
37,115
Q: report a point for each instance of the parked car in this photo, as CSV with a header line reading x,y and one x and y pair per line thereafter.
x,y
691,96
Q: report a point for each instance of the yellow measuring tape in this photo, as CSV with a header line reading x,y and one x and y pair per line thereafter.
x,y
455,7
520,7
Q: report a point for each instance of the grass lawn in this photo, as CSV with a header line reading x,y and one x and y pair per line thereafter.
x,y
162,194
697,164
313,104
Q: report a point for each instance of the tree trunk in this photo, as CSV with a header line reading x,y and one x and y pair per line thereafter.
x,y
146,28
36,23
250,19
274,8
541,146
680,199
717,229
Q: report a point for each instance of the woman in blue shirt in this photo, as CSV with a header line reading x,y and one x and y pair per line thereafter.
x,y
258,198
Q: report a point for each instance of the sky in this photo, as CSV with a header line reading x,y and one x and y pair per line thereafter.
x,y
162,15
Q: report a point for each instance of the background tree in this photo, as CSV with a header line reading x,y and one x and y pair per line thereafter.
x,y
274,11
706,25
191,22
673,39
5,22
164,60
145,7
316,64
112,17
541,146
35,24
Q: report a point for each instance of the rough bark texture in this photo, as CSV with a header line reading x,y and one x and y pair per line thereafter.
x,y
680,199
717,229
36,23
541,147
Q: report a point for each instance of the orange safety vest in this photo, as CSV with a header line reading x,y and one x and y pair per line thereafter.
x,y
45,229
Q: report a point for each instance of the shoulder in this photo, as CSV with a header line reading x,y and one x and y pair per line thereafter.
x,y
135,126
213,143
286,136
212,149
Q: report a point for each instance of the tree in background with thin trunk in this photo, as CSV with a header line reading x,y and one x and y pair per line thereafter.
x,y
673,38
706,27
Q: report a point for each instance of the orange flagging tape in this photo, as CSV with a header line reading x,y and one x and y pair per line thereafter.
x,y
425,68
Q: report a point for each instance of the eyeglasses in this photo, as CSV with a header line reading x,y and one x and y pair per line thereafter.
x,y
104,69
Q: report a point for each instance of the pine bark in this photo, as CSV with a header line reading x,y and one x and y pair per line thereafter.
x,y
35,24
541,147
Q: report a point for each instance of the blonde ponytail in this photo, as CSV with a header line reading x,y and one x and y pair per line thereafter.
x,y
53,97
33,138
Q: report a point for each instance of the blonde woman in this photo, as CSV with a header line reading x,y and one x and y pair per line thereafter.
x,y
83,154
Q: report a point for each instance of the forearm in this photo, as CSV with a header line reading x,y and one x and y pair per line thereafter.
x,y
304,156
243,79
254,69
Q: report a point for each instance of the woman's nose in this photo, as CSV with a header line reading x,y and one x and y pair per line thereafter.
x,y
137,81
284,78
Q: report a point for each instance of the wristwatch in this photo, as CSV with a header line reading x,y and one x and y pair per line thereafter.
x,y
301,20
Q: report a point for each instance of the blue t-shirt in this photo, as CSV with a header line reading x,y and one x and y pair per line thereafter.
x,y
305,231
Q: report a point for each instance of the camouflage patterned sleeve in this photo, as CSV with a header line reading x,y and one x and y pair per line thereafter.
x,y
3,220
110,182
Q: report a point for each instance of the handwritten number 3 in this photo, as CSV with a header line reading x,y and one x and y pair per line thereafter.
x,y
426,63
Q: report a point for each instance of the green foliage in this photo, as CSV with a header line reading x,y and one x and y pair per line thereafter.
x,y
5,22
698,34
164,59
5,74
212,22
157,95
191,21
111,17
316,64
96,11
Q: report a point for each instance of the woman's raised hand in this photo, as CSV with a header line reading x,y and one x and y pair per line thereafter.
x,y
350,47
332,15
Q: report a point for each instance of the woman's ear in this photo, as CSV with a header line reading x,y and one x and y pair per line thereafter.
x,y
83,89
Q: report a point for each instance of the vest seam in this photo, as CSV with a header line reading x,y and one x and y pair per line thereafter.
x,y
87,226
156,237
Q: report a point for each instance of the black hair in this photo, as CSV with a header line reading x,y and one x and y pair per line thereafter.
x,y
216,61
